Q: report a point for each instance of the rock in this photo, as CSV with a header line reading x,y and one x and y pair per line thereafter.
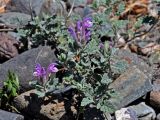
x,y
4,115
132,59
125,114
130,86
143,111
8,47
23,65
37,7
82,11
155,99
26,6
14,19
52,108
77,2
156,83
158,116
51,7
156,78
136,112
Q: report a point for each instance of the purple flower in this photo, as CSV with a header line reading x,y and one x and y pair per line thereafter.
x,y
72,32
52,68
81,33
39,71
87,35
87,22
42,73
79,26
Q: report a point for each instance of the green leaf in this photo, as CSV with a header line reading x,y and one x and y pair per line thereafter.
x,y
40,94
107,107
121,8
14,92
105,79
92,47
95,61
138,23
9,86
86,101
119,24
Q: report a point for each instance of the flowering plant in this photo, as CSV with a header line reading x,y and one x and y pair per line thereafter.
x,y
83,65
44,81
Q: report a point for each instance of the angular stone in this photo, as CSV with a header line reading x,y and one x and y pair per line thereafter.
x,y
37,7
4,115
51,108
143,111
156,77
155,99
51,7
125,114
26,6
14,19
132,59
24,64
158,116
8,47
130,86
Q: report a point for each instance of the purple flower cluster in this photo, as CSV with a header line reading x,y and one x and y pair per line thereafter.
x,y
81,32
42,73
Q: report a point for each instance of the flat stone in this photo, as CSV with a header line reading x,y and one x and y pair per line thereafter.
x,y
132,59
125,114
24,64
143,111
156,77
4,115
14,19
130,86
26,6
37,7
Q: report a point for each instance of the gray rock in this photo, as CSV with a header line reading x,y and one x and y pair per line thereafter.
x,y
132,59
144,112
158,116
27,6
154,58
38,7
77,2
51,7
130,86
23,65
136,112
14,19
4,115
125,114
